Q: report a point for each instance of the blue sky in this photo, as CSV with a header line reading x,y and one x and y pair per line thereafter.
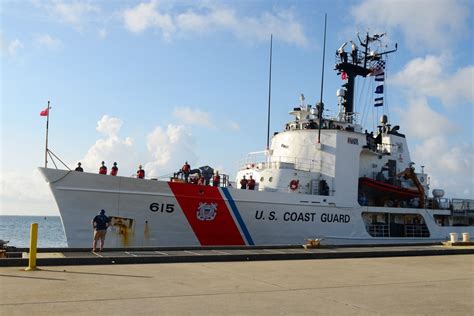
x,y
160,82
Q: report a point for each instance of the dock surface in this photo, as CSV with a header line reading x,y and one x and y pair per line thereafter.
x,y
421,285
84,256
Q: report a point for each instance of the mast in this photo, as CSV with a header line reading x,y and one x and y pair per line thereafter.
x,y
357,64
269,93
46,147
320,105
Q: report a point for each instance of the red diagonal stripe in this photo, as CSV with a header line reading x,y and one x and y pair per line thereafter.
x,y
222,230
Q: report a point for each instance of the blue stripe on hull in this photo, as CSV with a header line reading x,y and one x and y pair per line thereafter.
x,y
238,217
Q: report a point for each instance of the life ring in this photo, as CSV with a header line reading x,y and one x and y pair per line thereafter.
x,y
294,184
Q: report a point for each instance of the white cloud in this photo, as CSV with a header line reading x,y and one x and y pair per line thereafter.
x,y
233,126
191,21
14,46
45,40
16,196
425,23
281,24
193,116
169,148
451,167
429,77
449,164
111,148
146,15
109,126
206,19
422,122
74,13
102,33
21,185
9,48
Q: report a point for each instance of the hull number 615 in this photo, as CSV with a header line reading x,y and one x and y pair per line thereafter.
x,y
162,207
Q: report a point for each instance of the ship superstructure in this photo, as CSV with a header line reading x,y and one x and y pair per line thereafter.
x,y
328,155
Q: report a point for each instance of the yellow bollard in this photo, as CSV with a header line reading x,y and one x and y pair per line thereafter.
x,y
33,242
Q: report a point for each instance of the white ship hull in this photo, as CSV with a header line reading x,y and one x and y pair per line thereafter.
x,y
158,213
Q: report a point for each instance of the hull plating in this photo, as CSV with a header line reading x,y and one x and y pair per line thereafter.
x,y
157,213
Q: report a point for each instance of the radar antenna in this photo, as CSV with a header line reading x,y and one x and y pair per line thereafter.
x,y
360,63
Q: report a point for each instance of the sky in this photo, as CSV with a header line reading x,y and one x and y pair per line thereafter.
x,y
160,82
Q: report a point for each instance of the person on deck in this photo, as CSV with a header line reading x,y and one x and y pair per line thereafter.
x,y
186,169
202,180
251,184
79,168
216,179
114,170
140,172
243,183
103,168
100,223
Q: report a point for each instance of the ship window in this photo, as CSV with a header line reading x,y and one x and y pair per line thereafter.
x,y
379,224
270,179
262,179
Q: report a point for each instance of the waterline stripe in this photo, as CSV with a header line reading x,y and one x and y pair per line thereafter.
x,y
237,216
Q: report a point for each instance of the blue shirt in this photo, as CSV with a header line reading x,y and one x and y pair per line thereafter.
x,y
101,222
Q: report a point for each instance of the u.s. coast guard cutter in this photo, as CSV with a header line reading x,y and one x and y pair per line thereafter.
x,y
322,177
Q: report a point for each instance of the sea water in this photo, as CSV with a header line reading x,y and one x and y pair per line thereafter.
x,y
16,230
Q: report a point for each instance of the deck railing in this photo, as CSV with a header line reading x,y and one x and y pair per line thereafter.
x,y
260,160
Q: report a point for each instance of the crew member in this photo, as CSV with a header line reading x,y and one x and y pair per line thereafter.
x,y
140,172
216,179
186,169
202,180
103,168
251,184
354,53
79,168
243,183
114,170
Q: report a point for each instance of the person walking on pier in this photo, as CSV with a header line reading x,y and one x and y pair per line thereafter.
x,y
100,223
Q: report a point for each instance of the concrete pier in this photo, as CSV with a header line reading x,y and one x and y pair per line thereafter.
x,y
437,285
83,256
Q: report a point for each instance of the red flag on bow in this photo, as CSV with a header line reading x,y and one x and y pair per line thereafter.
x,y
44,112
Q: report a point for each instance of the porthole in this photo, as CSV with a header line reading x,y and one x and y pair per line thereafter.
x,y
270,179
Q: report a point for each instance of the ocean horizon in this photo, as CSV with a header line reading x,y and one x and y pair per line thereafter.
x,y
16,230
